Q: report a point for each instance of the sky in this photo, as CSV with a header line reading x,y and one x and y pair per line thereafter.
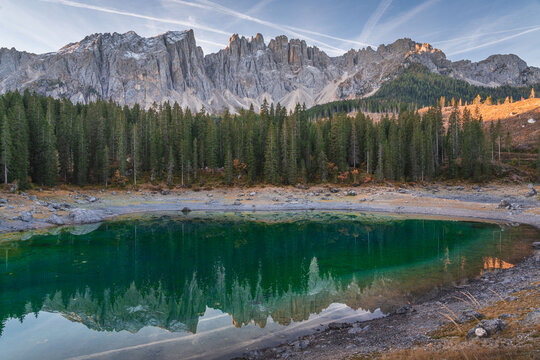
x,y
463,29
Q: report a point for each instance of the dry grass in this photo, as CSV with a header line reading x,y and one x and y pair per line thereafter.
x,y
518,341
470,352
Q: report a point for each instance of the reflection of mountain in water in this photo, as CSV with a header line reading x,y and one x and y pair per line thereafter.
x,y
125,276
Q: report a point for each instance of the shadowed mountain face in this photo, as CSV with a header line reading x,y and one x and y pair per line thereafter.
x,y
166,273
130,69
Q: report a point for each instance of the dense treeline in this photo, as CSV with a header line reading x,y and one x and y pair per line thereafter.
x,y
419,86
44,140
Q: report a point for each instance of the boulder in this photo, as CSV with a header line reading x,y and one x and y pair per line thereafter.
x,y
186,210
165,191
237,203
334,190
55,219
403,310
339,325
26,216
504,204
487,328
84,216
532,191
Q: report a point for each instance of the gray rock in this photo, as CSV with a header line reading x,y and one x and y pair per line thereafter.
x,y
186,210
470,314
84,216
3,201
165,191
339,325
334,190
536,245
55,219
26,216
504,204
237,203
488,328
403,310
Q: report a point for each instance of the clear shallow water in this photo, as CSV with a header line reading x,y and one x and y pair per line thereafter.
x,y
202,287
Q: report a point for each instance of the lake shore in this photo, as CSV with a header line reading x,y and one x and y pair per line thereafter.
x,y
429,326
37,210
439,325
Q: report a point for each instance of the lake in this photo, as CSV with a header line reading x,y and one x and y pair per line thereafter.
x,y
215,285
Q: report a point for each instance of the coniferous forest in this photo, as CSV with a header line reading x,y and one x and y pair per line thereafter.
x,y
45,141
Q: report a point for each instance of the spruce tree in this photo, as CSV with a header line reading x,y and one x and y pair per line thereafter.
x,y
5,148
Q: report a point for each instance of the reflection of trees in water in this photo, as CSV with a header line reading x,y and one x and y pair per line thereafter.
x,y
167,273
136,308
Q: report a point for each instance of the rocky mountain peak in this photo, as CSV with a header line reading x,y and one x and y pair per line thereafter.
x,y
171,67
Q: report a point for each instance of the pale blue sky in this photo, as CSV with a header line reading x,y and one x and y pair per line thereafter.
x,y
463,29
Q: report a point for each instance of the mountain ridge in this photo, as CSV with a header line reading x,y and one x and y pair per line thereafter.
x,y
130,69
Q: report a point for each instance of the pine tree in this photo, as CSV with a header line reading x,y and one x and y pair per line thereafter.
x,y
5,148
354,146
106,166
228,166
195,159
65,139
170,170
19,142
271,163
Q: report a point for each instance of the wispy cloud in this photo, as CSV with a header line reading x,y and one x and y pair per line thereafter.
x,y
497,41
373,20
212,6
295,31
405,17
481,35
188,24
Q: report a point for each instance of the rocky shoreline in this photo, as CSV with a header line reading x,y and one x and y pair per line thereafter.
x,y
45,209
503,304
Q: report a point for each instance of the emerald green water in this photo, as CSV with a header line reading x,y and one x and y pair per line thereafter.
x,y
213,286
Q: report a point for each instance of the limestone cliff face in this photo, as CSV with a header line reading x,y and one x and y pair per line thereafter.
x,y
131,69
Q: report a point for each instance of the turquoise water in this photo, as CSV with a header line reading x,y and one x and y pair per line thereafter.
x,y
212,286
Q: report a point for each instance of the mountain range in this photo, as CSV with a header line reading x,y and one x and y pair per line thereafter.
x,y
130,69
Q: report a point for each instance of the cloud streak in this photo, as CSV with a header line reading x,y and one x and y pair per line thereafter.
x,y
295,31
373,20
489,43
480,35
212,6
406,16
188,24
